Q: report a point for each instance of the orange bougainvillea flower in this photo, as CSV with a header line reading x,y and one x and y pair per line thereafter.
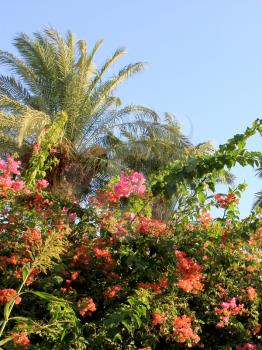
x,y
86,306
21,340
112,292
157,318
205,218
251,292
183,331
7,294
190,274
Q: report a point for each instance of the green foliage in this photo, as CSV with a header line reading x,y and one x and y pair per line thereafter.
x,y
205,169
42,160
110,276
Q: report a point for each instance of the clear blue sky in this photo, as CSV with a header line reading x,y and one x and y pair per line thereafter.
x,y
205,57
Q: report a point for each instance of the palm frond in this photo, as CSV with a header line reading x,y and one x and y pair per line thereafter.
x,y
9,104
32,123
107,88
13,89
117,55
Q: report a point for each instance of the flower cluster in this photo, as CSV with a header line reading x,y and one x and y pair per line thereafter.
x,y
42,184
124,188
205,218
156,287
157,318
132,184
151,227
246,346
113,291
251,292
86,306
224,201
183,331
32,236
8,169
21,340
190,274
7,294
228,309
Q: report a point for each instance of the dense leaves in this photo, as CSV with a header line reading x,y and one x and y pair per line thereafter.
x,y
109,276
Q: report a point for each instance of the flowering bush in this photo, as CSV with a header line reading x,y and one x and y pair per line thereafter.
x,y
111,276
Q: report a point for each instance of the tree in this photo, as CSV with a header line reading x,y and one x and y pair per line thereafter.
x,y
56,74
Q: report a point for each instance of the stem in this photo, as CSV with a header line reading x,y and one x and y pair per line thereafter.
x,y
13,303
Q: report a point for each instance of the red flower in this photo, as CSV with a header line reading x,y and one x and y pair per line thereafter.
x,y
21,339
32,236
36,147
74,275
190,274
41,184
224,201
163,281
151,227
251,292
7,294
205,218
17,185
112,292
157,318
246,346
86,306
183,331
102,253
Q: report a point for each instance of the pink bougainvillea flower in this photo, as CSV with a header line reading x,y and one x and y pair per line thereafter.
x,y
17,185
247,346
36,147
42,184
130,184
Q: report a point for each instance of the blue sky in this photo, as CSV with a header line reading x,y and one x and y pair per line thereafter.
x,y
204,57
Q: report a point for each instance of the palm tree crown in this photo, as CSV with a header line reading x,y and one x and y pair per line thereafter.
x,y
57,74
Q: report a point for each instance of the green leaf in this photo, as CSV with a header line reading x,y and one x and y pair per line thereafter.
x,y
127,326
137,320
19,318
118,336
4,341
25,271
201,197
7,308
48,297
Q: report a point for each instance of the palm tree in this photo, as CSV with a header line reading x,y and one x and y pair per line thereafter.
x,y
56,74
149,146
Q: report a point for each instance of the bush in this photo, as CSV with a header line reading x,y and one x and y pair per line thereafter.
x,y
110,276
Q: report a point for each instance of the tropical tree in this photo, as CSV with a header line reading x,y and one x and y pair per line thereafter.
x,y
56,74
